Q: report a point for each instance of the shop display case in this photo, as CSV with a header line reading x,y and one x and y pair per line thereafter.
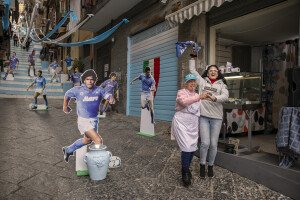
x,y
244,111
244,89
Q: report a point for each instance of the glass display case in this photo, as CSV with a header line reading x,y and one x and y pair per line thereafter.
x,y
244,111
244,88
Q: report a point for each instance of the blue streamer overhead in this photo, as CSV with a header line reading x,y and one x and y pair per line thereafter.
x,y
74,18
5,20
56,27
96,39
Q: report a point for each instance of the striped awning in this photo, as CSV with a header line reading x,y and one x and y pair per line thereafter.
x,y
189,11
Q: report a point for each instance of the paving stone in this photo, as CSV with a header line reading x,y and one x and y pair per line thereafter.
x,y
32,165
44,183
25,193
223,188
6,188
246,189
18,174
272,195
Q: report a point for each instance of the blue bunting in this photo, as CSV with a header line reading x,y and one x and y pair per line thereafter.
x,y
96,39
5,20
74,18
54,30
181,47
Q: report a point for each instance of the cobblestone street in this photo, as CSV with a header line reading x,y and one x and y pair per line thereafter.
x,y
32,165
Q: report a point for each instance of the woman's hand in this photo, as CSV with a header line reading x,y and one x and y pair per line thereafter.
x,y
211,98
204,96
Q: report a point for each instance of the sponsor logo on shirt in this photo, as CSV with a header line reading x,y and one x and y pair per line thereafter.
x,y
210,89
86,98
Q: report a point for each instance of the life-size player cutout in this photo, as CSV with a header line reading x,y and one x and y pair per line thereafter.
x,y
88,97
148,85
110,86
40,82
31,62
13,64
75,77
69,66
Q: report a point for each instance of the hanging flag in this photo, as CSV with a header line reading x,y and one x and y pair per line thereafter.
x,y
154,65
5,19
181,47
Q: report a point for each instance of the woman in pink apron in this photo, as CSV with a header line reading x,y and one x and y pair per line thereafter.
x,y
185,124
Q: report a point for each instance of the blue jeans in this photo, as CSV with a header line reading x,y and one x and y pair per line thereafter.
x,y
209,133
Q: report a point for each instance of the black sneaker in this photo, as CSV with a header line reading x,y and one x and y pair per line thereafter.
x,y
66,155
34,107
4,78
46,107
210,172
202,171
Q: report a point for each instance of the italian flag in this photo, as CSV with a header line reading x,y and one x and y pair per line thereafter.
x,y
154,65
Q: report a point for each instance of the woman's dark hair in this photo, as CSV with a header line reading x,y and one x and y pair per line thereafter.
x,y
220,76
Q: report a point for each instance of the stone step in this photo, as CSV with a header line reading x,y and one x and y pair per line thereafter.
x,y
30,89
26,83
25,73
29,96
30,93
25,76
23,85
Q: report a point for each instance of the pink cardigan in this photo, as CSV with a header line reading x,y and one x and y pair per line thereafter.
x,y
182,99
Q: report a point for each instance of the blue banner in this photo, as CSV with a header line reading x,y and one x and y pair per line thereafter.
x,y
56,27
96,39
5,20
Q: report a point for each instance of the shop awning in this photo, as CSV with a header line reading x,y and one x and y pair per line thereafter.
x,y
189,11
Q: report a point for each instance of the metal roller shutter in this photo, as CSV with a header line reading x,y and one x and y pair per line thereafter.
x,y
154,47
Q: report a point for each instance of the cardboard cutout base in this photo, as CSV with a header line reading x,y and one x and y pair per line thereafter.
x,y
39,107
31,72
146,127
81,167
102,116
10,77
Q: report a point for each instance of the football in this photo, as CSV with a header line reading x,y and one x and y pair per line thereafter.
x,y
114,162
31,106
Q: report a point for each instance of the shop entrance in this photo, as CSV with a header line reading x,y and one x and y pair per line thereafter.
x,y
262,47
